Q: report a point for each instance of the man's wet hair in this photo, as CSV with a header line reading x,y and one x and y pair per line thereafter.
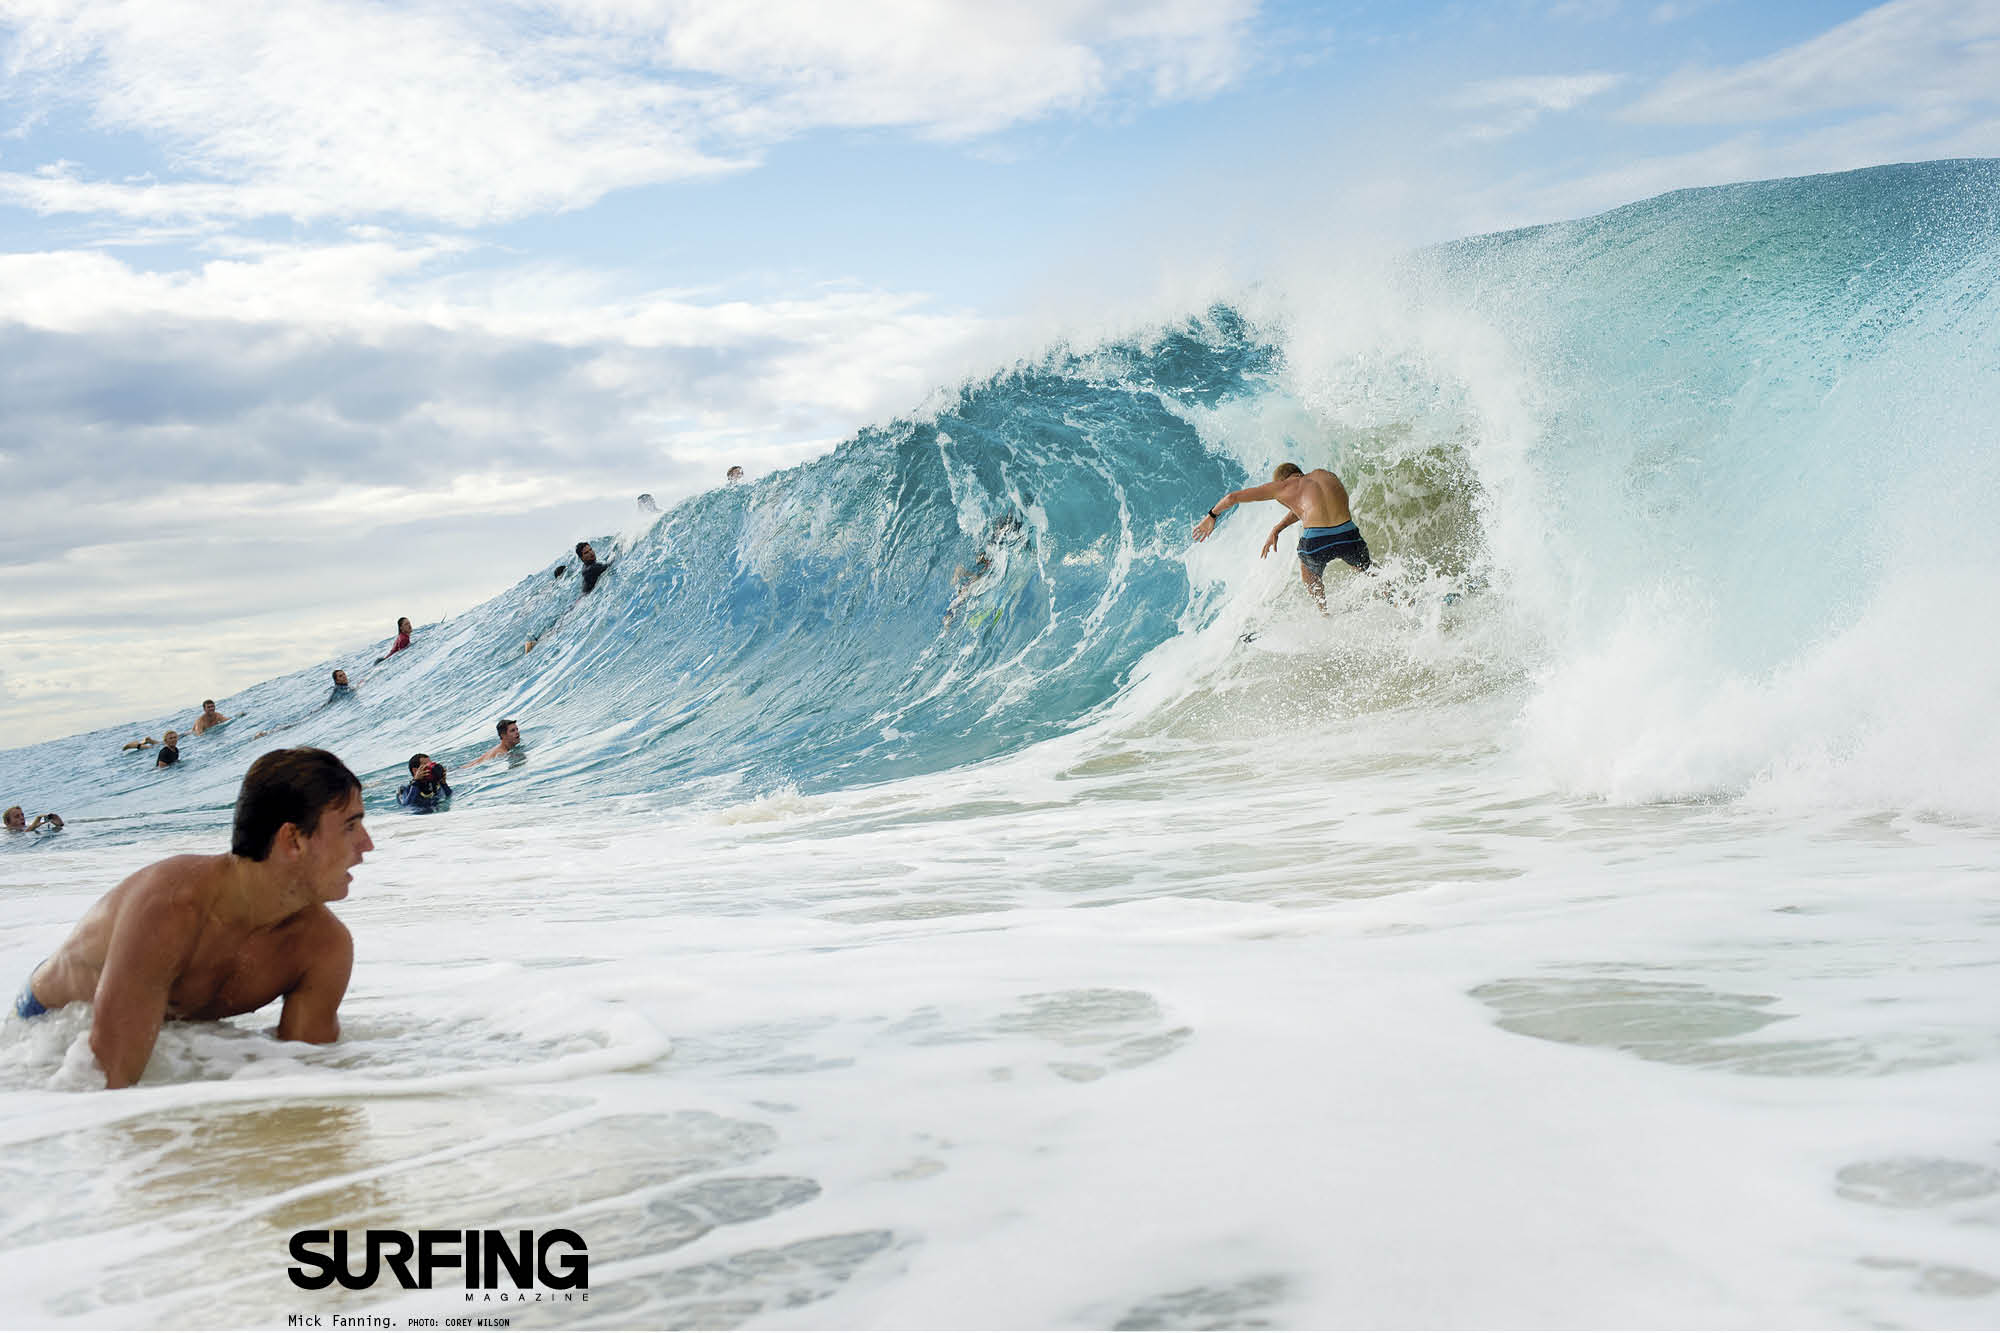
x,y
337,674
580,546
500,727
416,759
208,705
1287,470
294,786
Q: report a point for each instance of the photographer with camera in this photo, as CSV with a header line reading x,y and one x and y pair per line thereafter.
x,y
426,791
17,821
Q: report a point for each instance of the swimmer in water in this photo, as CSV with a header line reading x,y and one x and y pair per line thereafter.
x,y
591,571
170,750
201,938
426,790
17,822
209,717
402,639
341,690
1007,529
510,738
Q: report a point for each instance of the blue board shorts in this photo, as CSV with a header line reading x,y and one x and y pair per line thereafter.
x,y
25,1004
1319,547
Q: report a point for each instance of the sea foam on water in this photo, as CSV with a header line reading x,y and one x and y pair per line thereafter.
x,y
1588,922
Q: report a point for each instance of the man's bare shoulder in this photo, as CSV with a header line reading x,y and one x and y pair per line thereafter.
x,y
318,927
315,943
165,891
178,874
158,908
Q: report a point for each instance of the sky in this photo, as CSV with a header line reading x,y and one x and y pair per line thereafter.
x,y
322,312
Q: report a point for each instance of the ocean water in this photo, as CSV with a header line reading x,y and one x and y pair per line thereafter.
x,y
1593,921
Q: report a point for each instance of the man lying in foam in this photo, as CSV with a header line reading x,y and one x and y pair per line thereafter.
x,y
208,937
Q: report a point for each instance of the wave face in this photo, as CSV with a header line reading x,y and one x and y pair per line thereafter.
x,y
1721,463
794,632
1751,508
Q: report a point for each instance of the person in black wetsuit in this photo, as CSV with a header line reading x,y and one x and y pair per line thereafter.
x,y
426,790
170,750
592,571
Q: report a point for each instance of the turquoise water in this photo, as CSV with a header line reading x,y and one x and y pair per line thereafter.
x,y
1589,922
1735,415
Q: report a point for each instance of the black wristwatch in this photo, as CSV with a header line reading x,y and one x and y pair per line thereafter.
x,y
1213,516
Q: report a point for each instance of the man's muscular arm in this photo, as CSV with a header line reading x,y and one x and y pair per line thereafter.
x,y
1270,490
1271,542
149,944
312,1007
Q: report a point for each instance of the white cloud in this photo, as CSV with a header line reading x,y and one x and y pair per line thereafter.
x,y
346,365
1520,102
468,115
197,446
1908,53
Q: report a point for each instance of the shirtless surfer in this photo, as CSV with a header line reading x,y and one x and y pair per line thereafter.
x,y
206,937
510,739
1319,501
209,717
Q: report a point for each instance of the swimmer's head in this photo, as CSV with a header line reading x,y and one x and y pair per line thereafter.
x,y
417,761
208,705
585,553
735,474
402,624
170,737
1287,470
287,787
339,676
16,820
508,728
